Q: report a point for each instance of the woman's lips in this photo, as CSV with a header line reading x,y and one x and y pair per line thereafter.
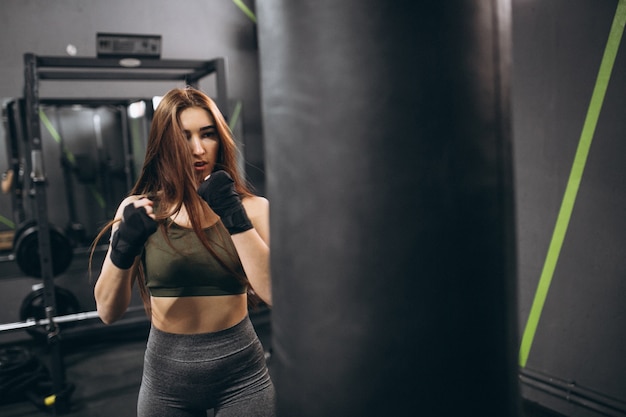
x,y
200,166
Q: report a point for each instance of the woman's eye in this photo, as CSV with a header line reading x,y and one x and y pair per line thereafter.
x,y
209,134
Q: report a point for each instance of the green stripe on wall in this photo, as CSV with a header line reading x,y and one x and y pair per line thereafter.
x,y
573,184
245,9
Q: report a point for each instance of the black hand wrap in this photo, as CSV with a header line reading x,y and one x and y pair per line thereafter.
x,y
219,192
135,228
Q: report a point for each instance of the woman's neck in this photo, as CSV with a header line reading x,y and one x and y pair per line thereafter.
x,y
181,217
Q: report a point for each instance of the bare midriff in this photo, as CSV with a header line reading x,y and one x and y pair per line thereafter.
x,y
202,314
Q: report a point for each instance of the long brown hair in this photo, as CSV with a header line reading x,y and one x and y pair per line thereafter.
x,y
166,174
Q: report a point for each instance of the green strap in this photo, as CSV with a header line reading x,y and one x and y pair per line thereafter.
x,y
567,205
245,9
55,134
235,117
69,155
6,221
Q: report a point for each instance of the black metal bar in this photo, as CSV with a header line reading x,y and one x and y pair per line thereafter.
x,y
86,62
570,392
89,102
194,77
11,123
68,318
110,76
129,169
222,88
145,69
38,178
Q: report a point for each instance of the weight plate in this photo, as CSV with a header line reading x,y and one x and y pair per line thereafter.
x,y
27,253
34,307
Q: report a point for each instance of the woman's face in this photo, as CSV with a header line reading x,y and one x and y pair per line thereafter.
x,y
204,141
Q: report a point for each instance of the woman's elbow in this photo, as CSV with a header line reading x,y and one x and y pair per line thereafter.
x,y
108,315
265,294
105,318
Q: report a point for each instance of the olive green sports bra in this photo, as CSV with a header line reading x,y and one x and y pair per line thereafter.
x,y
183,267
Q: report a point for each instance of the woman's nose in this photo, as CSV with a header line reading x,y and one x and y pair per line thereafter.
x,y
196,145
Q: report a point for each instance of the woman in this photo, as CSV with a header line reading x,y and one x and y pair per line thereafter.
x,y
196,241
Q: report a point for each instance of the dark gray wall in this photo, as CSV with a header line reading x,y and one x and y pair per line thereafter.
x,y
580,339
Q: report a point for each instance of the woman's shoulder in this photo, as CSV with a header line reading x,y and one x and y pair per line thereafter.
x,y
255,204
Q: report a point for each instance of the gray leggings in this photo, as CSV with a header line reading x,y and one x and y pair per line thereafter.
x,y
186,375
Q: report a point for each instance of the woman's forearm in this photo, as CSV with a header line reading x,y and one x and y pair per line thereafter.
x,y
255,258
112,291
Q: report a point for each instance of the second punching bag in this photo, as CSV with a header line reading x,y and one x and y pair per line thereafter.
x,y
389,170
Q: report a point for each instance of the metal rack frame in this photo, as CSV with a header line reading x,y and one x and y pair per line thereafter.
x,y
41,68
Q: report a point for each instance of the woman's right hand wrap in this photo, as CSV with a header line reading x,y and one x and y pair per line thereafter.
x,y
127,242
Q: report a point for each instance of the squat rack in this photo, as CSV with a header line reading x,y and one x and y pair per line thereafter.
x,y
41,68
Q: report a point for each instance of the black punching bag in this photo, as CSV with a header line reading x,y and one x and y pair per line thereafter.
x,y
389,171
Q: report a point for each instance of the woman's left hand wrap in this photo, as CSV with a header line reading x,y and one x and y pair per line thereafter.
x,y
219,192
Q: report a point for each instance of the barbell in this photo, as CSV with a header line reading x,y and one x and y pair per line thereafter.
x,y
34,316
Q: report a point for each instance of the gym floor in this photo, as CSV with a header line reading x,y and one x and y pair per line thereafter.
x,y
104,366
